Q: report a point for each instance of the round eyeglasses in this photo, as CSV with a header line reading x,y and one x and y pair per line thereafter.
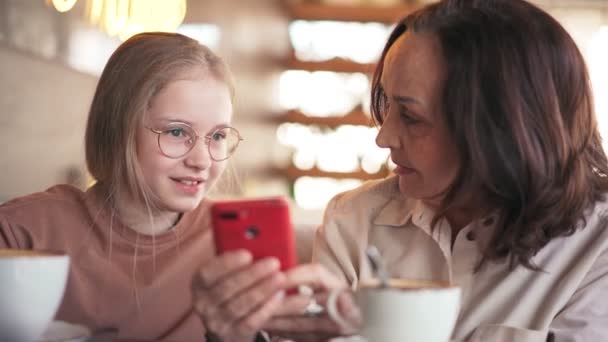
x,y
176,140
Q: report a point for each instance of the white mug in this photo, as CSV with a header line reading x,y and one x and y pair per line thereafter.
x,y
31,288
405,311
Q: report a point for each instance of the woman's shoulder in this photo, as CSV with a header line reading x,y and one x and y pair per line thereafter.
x,y
589,239
371,195
596,217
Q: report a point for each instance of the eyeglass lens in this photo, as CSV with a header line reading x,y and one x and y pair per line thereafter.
x,y
177,140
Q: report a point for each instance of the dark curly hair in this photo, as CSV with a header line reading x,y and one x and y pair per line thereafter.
x,y
519,106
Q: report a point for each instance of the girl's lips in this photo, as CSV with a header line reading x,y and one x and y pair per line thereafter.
x,y
189,181
402,170
188,186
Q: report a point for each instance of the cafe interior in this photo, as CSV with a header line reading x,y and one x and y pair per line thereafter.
x,y
302,70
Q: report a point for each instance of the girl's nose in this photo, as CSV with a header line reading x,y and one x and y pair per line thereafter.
x,y
199,156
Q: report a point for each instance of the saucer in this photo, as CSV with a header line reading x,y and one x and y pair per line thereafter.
x,y
60,331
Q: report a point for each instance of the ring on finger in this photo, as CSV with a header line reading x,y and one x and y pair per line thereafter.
x,y
313,308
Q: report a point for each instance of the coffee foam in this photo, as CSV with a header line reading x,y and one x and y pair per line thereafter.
x,y
10,253
407,284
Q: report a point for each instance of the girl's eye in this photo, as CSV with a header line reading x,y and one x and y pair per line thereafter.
x,y
217,136
176,132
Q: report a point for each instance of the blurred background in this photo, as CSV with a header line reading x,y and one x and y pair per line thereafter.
x,y
302,70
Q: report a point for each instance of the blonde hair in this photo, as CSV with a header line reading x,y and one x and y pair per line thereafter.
x,y
138,70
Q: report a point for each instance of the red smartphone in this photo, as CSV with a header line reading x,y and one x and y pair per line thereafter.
x,y
261,226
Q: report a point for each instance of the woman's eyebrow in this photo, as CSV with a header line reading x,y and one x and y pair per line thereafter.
x,y
406,99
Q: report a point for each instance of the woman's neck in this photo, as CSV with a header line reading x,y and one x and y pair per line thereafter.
x,y
459,216
143,219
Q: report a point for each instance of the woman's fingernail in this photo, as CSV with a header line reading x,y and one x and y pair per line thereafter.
x,y
243,256
272,263
279,295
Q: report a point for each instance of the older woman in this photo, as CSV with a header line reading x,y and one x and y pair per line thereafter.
x,y
500,185
486,108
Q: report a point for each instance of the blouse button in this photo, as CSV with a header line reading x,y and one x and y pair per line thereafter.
x,y
488,221
471,236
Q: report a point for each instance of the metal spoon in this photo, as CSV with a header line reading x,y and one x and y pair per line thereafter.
x,y
375,260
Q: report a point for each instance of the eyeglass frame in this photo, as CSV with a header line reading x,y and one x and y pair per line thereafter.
x,y
207,138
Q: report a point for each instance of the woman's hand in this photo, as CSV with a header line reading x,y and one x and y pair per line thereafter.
x,y
235,296
291,319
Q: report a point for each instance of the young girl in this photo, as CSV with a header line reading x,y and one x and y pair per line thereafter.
x,y
158,138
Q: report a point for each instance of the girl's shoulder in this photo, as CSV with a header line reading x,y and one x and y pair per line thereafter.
x,y
56,197
44,220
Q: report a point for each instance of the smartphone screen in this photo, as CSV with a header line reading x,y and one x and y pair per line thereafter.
x,y
261,226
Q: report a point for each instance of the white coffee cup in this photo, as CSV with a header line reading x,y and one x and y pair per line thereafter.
x,y
32,284
405,311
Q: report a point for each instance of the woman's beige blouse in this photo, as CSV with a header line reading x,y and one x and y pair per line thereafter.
x,y
569,297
